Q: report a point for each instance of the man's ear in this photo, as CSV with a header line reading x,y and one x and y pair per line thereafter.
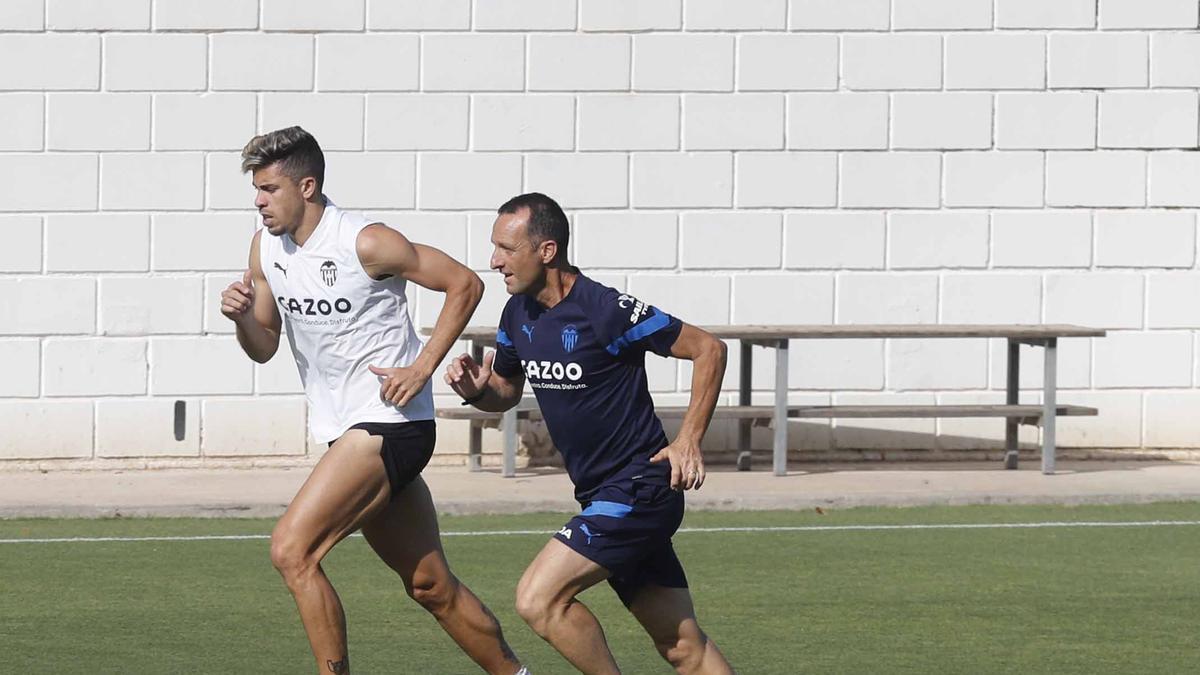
x,y
308,187
548,250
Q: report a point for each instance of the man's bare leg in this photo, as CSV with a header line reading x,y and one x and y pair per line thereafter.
x,y
405,535
546,600
668,616
346,487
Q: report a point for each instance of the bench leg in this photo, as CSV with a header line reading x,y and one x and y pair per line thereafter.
x,y
509,424
1011,424
1049,404
744,386
475,448
781,402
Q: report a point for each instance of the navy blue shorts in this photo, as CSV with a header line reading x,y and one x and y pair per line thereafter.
x,y
630,536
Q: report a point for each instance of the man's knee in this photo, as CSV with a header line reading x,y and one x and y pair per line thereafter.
x,y
291,556
435,593
533,606
684,653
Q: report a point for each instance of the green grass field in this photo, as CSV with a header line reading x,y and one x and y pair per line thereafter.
x,y
1037,600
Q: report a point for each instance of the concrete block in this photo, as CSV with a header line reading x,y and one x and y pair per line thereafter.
x,y
1174,59
279,375
733,122
167,181
94,367
146,428
1160,119
22,251
67,15
224,246
313,15
254,426
161,62
884,434
446,232
887,298
630,15
468,181
1098,60
98,242
602,240
522,122
840,121
182,366
1039,14
371,62
24,116
991,298
150,305
228,187
698,300
786,179
336,120
942,120
629,122
214,320
683,180
746,15
524,15
1119,424
417,122
357,180
809,299
1046,120
1174,179
204,121
837,15
892,61
811,62
1155,359
1145,239
205,14
281,62
1098,299
1118,14
730,240
950,363
823,365
473,62
1172,300
837,240
1170,418
1074,367
419,15
46,429
894,179
21,363
64,61
922,240
28,15
98,122
579,62
1096,178
683,62
47,306
994,179
941,14
995,60
1042,239
579,181
25,187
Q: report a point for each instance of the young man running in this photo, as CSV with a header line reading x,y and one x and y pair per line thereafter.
x,y
338,281
582,347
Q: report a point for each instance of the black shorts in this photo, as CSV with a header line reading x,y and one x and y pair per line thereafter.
x,y
407,447
627,529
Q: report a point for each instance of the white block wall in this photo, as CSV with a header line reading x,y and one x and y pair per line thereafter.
x,y
767,161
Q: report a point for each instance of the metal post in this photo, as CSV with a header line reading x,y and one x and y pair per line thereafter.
x,y
475,445
1012,397
744,385
509,424
1049,405
781,406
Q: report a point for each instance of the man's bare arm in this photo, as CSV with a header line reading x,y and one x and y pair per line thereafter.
x,y
250,304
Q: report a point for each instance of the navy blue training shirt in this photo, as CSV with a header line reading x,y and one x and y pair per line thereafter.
x,y
585,359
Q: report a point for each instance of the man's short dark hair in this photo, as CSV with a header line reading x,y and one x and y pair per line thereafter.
x,y
297,152
547,222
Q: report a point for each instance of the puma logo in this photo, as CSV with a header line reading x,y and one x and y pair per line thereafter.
x,y
528,331
281,268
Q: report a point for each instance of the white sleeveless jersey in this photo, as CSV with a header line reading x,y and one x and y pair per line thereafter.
x,y
339,321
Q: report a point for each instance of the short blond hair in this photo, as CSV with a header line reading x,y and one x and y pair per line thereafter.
x,y
297,152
